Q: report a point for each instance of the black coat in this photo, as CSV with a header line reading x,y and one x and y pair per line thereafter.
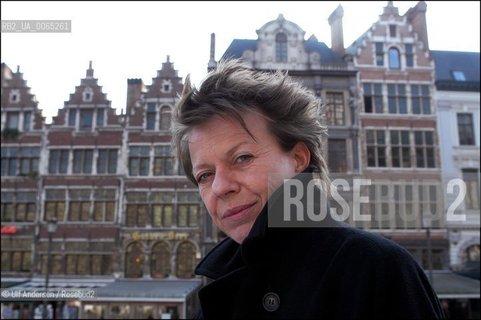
x,y
321,273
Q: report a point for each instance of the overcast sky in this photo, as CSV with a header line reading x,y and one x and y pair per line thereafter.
x,y
132,39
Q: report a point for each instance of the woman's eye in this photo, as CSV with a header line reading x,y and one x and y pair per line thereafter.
x,y
203,177
243,158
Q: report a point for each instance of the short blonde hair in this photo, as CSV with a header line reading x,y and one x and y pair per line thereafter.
x,y
233,88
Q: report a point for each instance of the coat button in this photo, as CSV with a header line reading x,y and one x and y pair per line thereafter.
x,y
271,302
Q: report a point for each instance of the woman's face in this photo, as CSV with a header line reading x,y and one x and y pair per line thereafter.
x,y
237,173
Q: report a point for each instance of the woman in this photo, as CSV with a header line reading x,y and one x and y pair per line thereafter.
x,y
240,138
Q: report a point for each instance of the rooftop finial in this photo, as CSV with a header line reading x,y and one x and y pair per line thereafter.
x,y
18,69
90,71
168,58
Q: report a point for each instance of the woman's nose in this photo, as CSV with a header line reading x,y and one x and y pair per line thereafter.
x,y
224,183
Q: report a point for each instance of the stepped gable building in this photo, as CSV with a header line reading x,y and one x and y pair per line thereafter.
x,y
22,127
81,184
457,99
281,45
399,139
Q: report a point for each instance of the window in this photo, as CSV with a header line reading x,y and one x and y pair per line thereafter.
x,y
26,158
137,209
12,120
166,86
424,144
162,209
14,96
27,121
79,205
376,148
9,161
400,149
134,261
100,117
394,59
77,264
104,205
86,116
335,108
379,54
82,161
58,161
471,254
373,98
107,161
465,129
101,264
337,155
379,200
150,116
165,118
55,204
471,178
87,94
397,101
188,209
458,75
72,116
281,47
428,205
420,99
186,252
405,216
392,30
163,161
18,206
409,55
16,255
139,159
160,260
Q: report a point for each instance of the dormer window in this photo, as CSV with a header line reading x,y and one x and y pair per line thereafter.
x,y
281,47
15,96
166,86
458,75
88,94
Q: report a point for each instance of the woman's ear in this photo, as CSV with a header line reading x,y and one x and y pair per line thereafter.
x,y
301,156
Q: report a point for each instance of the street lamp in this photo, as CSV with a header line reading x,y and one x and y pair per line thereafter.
x,y
51,228
426,224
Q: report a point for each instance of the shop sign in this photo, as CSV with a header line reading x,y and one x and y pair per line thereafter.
x,y
144,236
9,230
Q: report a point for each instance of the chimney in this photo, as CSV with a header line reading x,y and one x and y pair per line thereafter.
x,y
337,36
135,88
417,17
212,63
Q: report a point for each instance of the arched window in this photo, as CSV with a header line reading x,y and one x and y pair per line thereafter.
x,y
281,47
472,254
185,260
160,260
134,261
394,59
165,117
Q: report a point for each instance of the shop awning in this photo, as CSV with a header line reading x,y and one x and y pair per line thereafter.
x,y
450,285
147,290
